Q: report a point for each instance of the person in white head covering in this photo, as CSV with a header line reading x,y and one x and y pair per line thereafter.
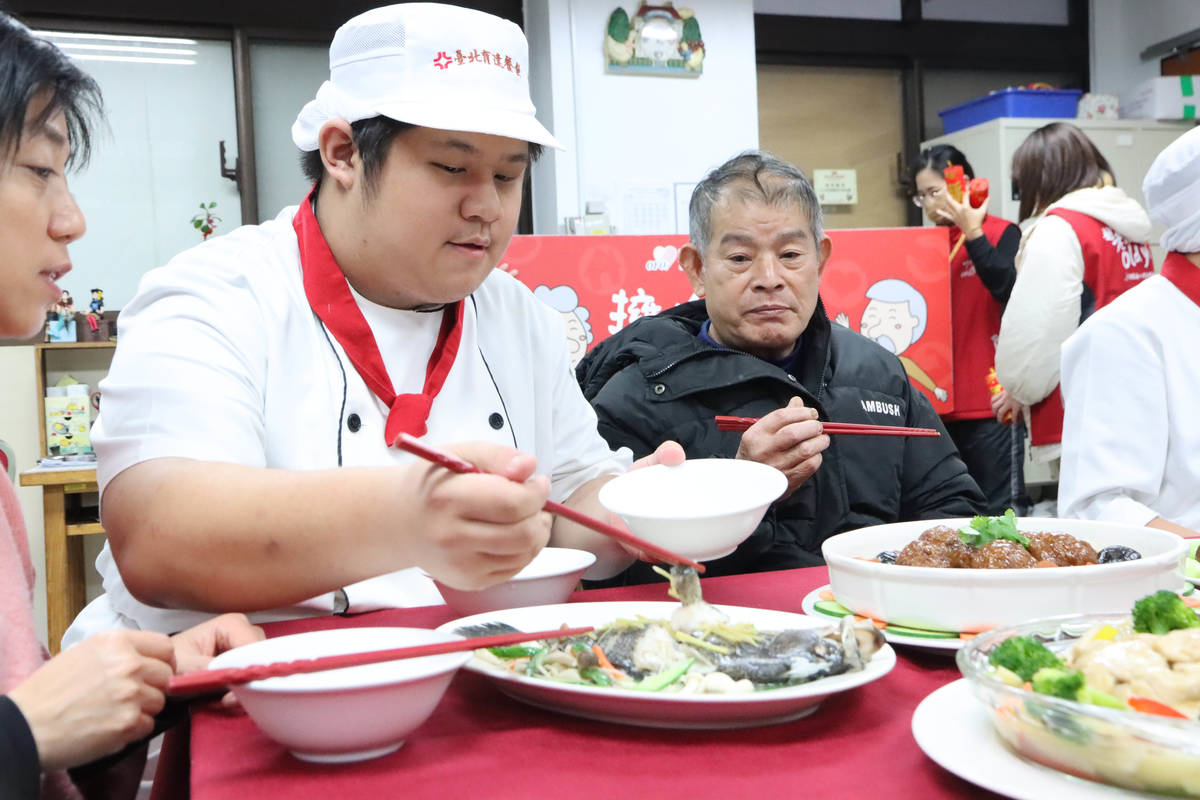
x,y
261,380
1136,361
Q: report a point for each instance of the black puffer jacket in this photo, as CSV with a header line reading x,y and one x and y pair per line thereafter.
x,y
655,380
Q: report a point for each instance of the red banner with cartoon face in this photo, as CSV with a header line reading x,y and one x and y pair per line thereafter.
x,y
891,284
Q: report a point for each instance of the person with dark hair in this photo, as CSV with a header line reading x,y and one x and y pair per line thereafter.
x,y
759,344
101,695
1084,243
982,250
283,362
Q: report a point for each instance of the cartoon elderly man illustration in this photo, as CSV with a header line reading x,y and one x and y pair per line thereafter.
x,y
895,318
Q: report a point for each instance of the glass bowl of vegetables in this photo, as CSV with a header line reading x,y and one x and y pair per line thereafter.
x,y
1109,698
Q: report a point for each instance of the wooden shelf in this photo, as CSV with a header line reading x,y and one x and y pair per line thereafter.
x,y
84,528
60,477
75,345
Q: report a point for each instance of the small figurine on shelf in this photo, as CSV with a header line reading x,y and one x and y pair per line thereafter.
x,y
95,309
60,320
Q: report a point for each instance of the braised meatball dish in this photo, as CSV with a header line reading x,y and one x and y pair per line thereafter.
x,y
995,543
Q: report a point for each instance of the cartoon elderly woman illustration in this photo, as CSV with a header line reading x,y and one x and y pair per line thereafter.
x,y
565,301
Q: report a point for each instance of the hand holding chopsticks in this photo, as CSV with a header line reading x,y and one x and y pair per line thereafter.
x,y
743,423
414,446
205,681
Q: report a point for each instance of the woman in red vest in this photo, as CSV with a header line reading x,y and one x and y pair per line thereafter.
x,y
1084,243
982,272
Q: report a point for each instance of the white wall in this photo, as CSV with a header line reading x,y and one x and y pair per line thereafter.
x,y
631,139
1122,29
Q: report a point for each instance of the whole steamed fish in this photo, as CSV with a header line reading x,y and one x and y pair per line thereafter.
x,y
697,650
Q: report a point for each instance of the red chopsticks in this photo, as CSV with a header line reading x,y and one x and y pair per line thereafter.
x,y
205,681
742,423
412,445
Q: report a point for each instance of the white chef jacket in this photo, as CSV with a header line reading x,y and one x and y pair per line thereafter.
x,y
221,358
1131,434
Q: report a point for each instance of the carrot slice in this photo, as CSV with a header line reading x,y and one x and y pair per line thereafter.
x,y
826,594
605,664
1148,705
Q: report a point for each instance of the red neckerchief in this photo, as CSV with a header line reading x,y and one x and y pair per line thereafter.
x,y
328,293
1184,274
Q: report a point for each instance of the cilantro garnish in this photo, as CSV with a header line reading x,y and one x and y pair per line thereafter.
x,y
985,530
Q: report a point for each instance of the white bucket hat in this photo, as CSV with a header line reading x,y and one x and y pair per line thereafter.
x,y
1172,192
427,64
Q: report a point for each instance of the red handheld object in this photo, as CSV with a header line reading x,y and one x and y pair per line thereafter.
x,y
978,191
956,181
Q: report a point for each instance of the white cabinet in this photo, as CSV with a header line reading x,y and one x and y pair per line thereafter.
x,y
1130,145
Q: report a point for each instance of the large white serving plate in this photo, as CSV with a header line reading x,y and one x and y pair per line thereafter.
x,y
954,729
937,641
658,710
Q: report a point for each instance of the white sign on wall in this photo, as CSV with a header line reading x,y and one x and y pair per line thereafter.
x,y
836,187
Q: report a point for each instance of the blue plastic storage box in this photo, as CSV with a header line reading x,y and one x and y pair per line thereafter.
x,y
1011,103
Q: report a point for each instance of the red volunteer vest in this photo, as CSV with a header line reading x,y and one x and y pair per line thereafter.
x,y
1111,265
975,322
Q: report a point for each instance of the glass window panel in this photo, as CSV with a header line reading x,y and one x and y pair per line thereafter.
x,y
168,102
284,76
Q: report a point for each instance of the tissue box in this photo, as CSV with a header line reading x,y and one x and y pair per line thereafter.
x,y
1098,106
1162,98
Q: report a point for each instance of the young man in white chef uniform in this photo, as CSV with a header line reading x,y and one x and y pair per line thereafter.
x,y
244,447
1136,361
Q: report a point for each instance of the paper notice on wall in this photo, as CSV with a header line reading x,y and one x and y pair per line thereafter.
x,y
647,210
683,199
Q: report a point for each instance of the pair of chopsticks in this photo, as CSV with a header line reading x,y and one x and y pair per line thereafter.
x,y
412,445
206,681
742,423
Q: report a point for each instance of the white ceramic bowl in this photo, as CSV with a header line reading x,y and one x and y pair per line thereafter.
x,y
549,578
344,714
973,600
703,508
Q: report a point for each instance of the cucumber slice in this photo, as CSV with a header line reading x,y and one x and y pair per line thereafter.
x,y
919,633
832,608
1191,568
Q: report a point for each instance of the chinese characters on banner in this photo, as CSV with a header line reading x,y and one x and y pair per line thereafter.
x,y
891,284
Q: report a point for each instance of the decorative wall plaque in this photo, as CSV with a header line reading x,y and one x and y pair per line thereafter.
x,y
656,40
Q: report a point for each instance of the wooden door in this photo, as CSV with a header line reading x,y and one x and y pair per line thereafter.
x,y
839,118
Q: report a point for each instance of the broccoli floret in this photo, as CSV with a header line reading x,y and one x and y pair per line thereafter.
x,y
1058,682
1161,612
1023,655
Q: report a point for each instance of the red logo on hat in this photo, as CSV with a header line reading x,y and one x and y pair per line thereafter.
x,y
442,61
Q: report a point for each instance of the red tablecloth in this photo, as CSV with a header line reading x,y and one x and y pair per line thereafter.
x,y
480,743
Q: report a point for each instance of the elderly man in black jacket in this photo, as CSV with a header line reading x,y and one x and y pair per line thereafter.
x,y
760,345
